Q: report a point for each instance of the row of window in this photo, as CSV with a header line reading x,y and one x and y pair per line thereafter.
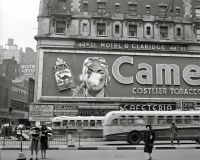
x,y
101,30
4,96
160,120
132,7
18,105
71,123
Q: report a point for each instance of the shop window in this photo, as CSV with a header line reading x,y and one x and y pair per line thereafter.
x,y
160,120
163,32
85,6
187,120
60,27
117,7
169,119
62,5
71,123
132,8
101,29
196,120
133,30
147,9
101,7
78,123
116,29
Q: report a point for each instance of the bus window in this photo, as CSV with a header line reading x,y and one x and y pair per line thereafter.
x,y
196,120
85,123
65,122
114,122
99,123
150,119
92,123
178,120
169,119
187,120
71,123
123,121
78,123
56,124
139,119
131,121
160,120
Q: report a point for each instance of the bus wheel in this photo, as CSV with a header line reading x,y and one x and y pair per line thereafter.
x,y
134,138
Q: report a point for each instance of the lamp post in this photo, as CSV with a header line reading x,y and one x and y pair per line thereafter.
x,y
10,111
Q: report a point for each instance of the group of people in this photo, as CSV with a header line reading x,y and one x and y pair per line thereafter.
x,y
39,141
149,137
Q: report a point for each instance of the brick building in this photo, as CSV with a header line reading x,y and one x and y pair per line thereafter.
x,y
151,49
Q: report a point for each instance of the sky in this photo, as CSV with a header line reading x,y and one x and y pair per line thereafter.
x,y
18,20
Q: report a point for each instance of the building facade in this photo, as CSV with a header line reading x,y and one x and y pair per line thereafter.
x,y
100,55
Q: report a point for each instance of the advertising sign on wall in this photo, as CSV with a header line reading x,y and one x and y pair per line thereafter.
x,y
115,75
27,70
65,110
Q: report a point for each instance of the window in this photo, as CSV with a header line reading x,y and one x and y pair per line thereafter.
x,y
101,29
196,120
85,27
92,123
101,7
114,122
123,121
198,34
178,32
197,12
62,5
133,30
78,123
131,121
85,123
163,32
169,119
99,123
187,120
178,120
57,124
148,31
6,97
60,27
150,119
0,96
85,6
132,9
65,122
161,120
162,10
147,9
117,7
116,29
71,123
177,11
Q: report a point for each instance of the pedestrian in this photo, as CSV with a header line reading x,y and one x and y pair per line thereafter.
x,y
174,133
44,140
149,137
35,139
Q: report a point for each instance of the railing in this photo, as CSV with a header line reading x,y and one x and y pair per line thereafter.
x,y
58,137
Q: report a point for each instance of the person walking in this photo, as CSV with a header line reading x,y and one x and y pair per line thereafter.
x,y
149,137
44,141
35,138
174,133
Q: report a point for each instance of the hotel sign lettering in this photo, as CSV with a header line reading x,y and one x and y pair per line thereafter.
x,y
133,46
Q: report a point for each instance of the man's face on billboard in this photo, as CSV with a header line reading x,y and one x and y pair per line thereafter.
x,y
96,77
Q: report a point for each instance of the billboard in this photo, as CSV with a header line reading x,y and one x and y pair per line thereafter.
x,y
110,75
27,70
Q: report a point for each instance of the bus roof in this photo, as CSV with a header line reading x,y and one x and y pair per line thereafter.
x,y
61,118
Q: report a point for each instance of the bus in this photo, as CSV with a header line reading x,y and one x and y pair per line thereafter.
x,y
92,125
130,125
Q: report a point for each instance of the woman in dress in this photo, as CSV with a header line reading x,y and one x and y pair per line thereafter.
x,y
44,140
35,139
149,137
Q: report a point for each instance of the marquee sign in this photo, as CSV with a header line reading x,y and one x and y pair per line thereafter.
x,y
136,75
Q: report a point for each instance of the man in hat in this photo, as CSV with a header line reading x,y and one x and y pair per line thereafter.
x,y
95,78
174,133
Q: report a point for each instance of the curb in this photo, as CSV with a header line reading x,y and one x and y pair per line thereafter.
x,y
109,148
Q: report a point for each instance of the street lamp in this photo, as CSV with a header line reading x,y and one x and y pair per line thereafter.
x,y
10,111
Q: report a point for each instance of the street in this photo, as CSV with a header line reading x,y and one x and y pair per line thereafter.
x,y
108,155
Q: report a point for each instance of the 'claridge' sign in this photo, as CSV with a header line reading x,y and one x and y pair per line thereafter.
x,y
190,74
